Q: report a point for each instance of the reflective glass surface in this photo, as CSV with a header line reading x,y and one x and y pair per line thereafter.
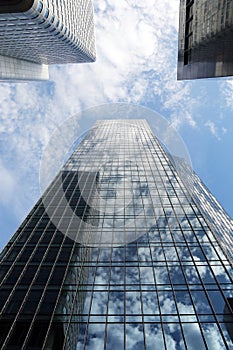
x,y
205,39
166,283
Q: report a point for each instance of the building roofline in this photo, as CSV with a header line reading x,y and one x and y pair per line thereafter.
x,y
14,6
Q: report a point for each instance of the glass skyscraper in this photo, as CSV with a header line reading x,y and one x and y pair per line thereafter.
x,y
205,39
35,34
119,253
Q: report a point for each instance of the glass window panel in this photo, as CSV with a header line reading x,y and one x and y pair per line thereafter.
x,y
220,274
49,300
176,275
32,301
133,303
184,303
116,303
146,274
154,337
132,276
29,274
206,274
95,337
201,302
52,254
117,275
134,336
161,275
58,275
197,253
14,274
166,237
220,253
154,234
43,275
102,275
115,337
193,336
183,253
150,303
15,303
18,336
99,302
39,254
217,301
173,336
170,253
167,303
191,274
25,254
210,252
144,254
118,254
3,270
213,336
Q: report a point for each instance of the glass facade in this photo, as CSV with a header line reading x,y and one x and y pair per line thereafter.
x,y
15,69
45,32
120,255
205,39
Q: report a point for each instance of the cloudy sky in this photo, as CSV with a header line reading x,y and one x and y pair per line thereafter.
x,y
136,63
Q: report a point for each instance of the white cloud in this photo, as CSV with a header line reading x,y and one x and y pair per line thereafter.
x,y
10,192
213,129
7,184
213,338
227,92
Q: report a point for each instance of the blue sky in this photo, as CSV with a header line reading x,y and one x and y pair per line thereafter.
x,y
136,63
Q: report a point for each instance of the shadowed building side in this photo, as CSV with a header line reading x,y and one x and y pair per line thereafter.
x,y
205,44
43,276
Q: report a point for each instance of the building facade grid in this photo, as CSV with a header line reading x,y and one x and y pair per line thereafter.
x,y
167,282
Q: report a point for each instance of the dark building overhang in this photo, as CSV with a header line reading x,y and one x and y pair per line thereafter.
x,y
14,6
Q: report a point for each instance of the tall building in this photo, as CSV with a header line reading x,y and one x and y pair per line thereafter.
x,y
37,33
119,254
205,39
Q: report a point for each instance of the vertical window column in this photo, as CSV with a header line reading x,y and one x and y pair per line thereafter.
x,y
188,31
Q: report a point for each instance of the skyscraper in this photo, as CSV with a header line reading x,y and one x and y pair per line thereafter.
x,y
37,33
205,39
119,254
